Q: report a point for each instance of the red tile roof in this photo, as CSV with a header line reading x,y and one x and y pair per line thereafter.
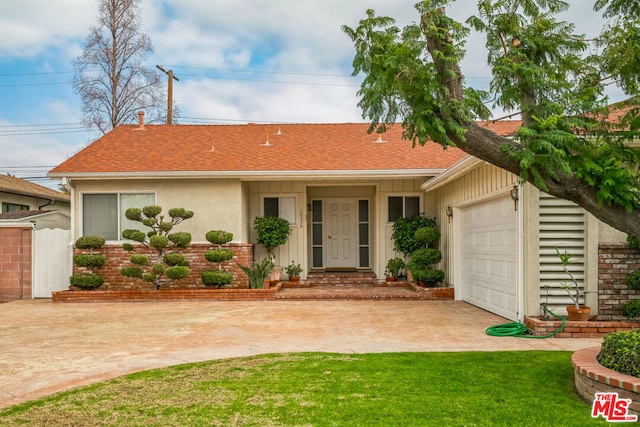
x,y
164,149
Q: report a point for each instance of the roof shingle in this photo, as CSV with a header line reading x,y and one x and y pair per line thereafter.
x,y
291,147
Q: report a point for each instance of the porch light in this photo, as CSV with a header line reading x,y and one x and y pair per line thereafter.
x,y
514,196
449,212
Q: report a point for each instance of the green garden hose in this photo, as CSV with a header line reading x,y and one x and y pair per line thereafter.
x,y
519,330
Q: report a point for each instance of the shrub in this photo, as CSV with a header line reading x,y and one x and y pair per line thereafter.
x,y
90,242
633,280
177,272
272,232
427,236
429,276
218,255
426,256
89,260
135,272
216,278
404,230
175,259
139,259
631,309
293,269
86,281
163,247
621,352
135,235
219,237
633,242
257,273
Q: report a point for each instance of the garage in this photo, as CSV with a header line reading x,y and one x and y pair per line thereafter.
x,y
489,256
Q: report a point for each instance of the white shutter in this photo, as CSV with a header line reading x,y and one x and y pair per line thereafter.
x,y
562,226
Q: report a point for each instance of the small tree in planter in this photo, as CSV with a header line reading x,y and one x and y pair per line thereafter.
x,y
422,259
272,232
164,248
90,261
218,255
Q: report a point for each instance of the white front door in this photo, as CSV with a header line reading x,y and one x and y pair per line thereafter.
x,y
340,236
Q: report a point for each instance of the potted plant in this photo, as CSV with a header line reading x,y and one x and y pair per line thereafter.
x,y
575,311
293,271
272,232
257,273
394,265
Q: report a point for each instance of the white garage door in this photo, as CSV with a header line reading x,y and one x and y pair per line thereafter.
x,y
489,257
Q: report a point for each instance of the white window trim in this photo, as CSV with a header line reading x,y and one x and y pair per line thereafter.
x,y
118,194
282,196
403,195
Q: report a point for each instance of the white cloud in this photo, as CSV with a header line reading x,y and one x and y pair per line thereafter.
x,y
30,27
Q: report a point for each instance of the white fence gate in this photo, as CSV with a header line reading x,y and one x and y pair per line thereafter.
x,y
51,261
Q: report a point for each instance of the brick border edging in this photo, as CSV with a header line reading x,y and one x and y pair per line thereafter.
x,y
150,295
591,377
587,329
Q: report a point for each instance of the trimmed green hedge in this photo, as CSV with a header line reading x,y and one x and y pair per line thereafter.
x,y
218,255
90,242
216,278
219,237
633,280
621,352
89,260
86,281
177,272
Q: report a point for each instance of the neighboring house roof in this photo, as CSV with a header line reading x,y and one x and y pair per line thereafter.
x,y
13,185
18,215
260,150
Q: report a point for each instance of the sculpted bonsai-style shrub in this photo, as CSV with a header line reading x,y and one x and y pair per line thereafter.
x,y
218,256
90,261
162,261
422,259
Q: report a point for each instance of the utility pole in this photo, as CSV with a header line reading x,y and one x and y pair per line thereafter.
x,y
171,77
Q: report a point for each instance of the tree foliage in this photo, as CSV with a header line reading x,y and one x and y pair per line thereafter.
x,y
572,143
110,76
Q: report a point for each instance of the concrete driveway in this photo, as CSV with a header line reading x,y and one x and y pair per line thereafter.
x,y
47,348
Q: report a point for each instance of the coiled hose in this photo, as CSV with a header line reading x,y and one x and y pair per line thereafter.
x,y
519,330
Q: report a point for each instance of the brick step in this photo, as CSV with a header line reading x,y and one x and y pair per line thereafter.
x,y
339,279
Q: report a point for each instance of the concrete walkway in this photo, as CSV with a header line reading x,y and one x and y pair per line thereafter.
x,y
47,348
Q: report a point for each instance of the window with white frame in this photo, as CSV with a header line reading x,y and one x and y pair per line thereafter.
x,y
284,207
402,207
12,207
104,214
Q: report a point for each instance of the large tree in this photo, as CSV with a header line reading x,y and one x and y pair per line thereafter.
x,y
110,75
572,143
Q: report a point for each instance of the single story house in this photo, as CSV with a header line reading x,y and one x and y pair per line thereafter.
x,y
341,188
18,194
40,218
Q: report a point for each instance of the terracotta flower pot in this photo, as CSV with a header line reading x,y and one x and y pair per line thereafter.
x,y
294,278
578,314
392,279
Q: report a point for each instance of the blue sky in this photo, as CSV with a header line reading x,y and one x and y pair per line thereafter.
x,y
237,61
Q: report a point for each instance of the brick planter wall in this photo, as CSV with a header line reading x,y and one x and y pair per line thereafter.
x,y
147,295
615,261
590,329
16,244
118,258
591,378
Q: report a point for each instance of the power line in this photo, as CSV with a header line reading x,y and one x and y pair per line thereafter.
x,y
226,70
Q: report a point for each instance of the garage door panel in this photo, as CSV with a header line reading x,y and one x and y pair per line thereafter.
x,y
489,257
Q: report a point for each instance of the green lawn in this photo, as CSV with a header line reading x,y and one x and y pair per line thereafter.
x,y
318,389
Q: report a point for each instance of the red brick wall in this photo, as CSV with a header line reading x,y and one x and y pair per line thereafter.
x,y
118,258
15,262
615,261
